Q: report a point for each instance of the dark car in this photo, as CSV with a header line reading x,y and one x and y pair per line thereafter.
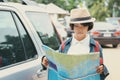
x,y
106,33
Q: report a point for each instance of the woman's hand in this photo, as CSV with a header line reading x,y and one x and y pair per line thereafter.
x,y
100,69
44,61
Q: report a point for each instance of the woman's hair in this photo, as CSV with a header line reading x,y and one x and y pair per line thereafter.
x,y
89,24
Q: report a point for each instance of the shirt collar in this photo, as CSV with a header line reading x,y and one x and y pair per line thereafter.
x,y
85,41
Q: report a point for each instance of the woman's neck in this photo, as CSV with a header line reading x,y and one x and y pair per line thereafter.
x,y
79,38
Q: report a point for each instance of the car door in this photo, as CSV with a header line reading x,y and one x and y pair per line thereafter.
x,y
19,59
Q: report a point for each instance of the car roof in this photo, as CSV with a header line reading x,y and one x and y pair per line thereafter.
x,y
103,25
22,7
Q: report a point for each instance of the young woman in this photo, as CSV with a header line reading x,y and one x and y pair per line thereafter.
x,y
81,42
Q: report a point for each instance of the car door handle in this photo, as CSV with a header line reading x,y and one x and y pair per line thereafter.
x,y
41,73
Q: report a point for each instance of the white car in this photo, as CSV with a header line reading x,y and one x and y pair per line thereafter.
x,y
23,30
106,33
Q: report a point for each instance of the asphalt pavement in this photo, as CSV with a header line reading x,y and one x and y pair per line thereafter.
x,y
112,61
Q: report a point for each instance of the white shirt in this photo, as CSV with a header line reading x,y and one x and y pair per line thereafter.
x,y
79,47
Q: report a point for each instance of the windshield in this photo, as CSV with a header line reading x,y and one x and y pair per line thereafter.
x,y
44,28
103,25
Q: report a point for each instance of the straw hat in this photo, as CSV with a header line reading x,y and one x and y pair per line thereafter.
x,y
80,15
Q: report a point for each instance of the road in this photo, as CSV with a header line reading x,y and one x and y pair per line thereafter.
x,y
112,61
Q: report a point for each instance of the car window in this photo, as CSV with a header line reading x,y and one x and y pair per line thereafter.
x,y
15,44
103,25
113,20
44,28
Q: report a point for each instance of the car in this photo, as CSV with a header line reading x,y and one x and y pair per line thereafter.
x,y
106,33
69,31
23,31
115,21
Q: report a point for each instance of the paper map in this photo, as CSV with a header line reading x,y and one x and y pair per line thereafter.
x,y
72,67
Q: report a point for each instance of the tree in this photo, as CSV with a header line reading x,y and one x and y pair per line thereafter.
x,y
114,7
98,9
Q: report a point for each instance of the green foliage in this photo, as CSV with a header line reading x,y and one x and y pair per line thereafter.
x,y
112,3
13,0
99,10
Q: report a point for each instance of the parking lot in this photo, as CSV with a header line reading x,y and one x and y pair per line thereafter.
x,y
111,59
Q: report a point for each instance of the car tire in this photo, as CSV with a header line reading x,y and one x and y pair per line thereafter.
x,y
102,45
115,45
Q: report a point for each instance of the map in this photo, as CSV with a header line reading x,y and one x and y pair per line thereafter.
x,y
71,67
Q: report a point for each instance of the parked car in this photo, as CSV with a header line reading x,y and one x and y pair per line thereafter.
x,y
23,31
106,33
69,31
115,21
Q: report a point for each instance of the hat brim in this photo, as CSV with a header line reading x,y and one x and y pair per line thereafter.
x,y
84,21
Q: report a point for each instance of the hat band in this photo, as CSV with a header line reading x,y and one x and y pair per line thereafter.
x,y
81,19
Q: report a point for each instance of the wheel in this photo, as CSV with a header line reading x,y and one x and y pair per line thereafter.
x,y
115,45
102,45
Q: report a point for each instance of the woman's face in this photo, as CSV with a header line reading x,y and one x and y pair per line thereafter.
x,y
80,31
